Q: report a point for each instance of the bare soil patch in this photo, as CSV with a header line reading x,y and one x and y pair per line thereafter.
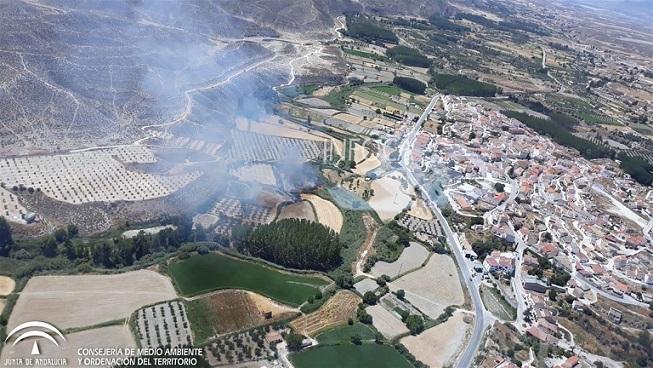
x,y
7,285
420,210
388,199
434,287
87,300
388,324
440,345
327,213
369,164
411,258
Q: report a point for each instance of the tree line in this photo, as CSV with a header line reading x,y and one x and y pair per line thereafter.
x,y
368,31
410,84
561,135
291,243
462,86
638,168
114,252
6,239
408,56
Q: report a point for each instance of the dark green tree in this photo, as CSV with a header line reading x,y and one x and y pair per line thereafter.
x,y
415,324
49,247
60,235
369,298
72,230
294,341
6,239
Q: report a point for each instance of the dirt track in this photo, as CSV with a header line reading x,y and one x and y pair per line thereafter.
x,y
367,248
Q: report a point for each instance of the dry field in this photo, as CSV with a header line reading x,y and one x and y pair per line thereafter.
x,y
388,324
434,287
92,176
231,310
368,165
86,300
388,199
314,102
349,118
260,173
440,345
7,285
335,311
270,126
105,337
327,213
300,210
360,152
420,210
411,258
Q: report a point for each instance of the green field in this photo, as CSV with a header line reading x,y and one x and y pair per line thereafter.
x,y
389,89
350,356
203,273
296,90
363,54
338,96
343,334
380,98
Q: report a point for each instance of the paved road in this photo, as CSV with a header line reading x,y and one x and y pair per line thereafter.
x,y
481,321
517,280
